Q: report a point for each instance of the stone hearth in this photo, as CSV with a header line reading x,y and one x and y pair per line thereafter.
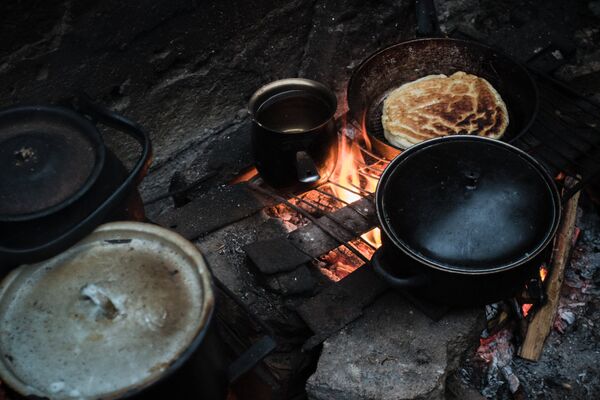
x,y
184,69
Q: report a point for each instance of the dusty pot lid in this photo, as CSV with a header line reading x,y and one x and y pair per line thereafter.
x,y
109,316
49,157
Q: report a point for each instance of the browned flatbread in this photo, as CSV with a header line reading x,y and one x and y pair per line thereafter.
x,y
440,105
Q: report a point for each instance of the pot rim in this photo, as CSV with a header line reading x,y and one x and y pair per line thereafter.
x,y
208,303
285,85
91,131
405,248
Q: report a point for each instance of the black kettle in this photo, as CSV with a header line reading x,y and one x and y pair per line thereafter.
x,y
58,180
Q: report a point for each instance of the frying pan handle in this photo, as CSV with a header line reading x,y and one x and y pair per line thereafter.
x,y
68,238
395,282
427,21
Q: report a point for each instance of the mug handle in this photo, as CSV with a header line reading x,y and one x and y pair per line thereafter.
x,y
306,169
395,282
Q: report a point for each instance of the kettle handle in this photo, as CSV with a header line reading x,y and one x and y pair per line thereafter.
x,y
109,118
97,113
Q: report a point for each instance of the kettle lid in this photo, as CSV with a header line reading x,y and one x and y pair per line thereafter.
x,y
49,157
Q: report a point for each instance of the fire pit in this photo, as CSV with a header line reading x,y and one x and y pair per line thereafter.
x,y
294,267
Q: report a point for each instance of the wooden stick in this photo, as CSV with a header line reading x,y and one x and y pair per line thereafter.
x,y
541,324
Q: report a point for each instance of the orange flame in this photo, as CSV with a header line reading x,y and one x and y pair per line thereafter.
x,y
525,309
351,163
543,273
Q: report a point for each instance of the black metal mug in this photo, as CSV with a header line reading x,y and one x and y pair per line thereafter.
x,y
294,136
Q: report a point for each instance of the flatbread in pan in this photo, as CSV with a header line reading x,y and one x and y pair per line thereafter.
x,y
440,105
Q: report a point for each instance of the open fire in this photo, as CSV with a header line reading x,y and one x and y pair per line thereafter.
x,y
355,177
354,171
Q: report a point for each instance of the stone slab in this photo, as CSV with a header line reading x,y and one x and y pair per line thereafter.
x,y
295,282
215,209
340,304
273,256
394,352
347,222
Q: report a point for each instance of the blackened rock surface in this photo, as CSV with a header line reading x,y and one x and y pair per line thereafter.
x,y
583,73
275,255
394,352
340,303
184,69
518,27
298,281
345,32
213,210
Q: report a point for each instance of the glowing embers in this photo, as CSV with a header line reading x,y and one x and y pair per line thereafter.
x,y
351,187
526,307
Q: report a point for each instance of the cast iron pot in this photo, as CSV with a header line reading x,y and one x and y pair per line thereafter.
x,y
57,179
405,62
294,146
464,220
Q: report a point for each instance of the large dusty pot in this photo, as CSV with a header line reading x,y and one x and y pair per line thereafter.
x,y
57,179
125,312
464,219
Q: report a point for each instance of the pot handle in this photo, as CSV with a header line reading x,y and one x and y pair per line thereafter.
x,y
393,281
427,21
248,359
118,122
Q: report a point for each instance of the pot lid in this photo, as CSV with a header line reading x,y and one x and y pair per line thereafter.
x,y
111,315
49,156
469,204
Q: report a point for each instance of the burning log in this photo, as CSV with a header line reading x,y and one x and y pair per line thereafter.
x,y
541,324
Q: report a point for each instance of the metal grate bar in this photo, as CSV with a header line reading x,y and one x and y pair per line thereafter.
x,y
368,175
560,149
369,166
370,154
568,90
312,219
570,129
359,188
339,223
347,204
350,190
555,155
574,141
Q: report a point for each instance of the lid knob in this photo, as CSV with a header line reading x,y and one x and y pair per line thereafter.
x,y
105,307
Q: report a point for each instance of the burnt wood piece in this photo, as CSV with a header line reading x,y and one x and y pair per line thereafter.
x,y
213,210
275,256
339,304
541,324
311,241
